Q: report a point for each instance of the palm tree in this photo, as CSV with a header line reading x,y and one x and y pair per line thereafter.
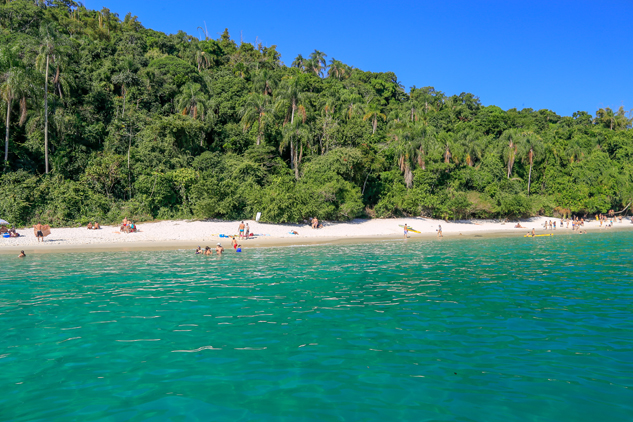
x,y
510,137
470,142
48,40
425,136
126,78
299,62
265,82
295,135
318,63
14,86
289,97
373,112
337,69
255,110
191,100
202,60
532,144
405,149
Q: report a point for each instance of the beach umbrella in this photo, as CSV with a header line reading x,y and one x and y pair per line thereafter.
x,y
4,222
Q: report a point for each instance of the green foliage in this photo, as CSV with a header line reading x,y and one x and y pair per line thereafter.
x,y
147,125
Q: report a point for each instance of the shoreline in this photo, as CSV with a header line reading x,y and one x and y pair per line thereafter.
x,y
177,235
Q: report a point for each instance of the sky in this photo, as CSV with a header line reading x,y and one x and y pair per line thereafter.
x,y
564,56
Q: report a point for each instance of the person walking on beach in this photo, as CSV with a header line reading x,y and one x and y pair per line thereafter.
x,y
406,230
241,229
439,231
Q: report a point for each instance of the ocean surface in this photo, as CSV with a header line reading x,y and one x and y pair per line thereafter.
x,y
506,329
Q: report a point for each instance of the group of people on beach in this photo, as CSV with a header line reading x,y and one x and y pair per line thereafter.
x,y
407,228
128,226
12,231
94,226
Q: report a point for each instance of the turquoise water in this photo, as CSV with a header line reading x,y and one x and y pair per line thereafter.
x,y
470,330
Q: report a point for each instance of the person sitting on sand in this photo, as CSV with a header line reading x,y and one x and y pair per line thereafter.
x,y
315,223
22,254
219,249
89,226
519,226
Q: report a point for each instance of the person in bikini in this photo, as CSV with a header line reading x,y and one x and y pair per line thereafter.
x,y
219,249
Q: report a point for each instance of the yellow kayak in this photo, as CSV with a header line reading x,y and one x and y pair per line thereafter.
x,y
539,235
410,229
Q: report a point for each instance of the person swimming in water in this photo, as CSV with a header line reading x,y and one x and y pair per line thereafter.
x,y
22,254
219,249
199,250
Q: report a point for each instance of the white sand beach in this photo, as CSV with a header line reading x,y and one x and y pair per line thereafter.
x,y
189,234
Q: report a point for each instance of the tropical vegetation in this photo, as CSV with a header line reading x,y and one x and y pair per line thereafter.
x,y
104,118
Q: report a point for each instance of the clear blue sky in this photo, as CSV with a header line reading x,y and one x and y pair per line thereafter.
x,y
560,55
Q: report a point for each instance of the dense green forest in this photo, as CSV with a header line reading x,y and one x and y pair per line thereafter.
x,y
105,118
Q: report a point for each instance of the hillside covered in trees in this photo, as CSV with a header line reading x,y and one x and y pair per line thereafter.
x,y
104,118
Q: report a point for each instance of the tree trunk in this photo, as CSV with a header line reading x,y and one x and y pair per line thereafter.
x,y
259,130
374,125
124,95
46,116
529,180
296,165
129,147
292,155
292,117
6,140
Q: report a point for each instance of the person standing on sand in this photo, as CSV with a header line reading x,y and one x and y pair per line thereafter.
x,y
38,232
241,229
439,231
406,230
234,242
22,254
248,230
